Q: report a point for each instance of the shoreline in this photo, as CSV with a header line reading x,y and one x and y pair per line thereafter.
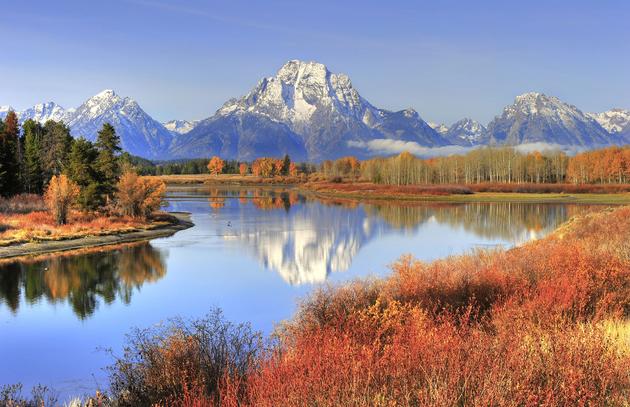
x,y
321,190
37,248
480,197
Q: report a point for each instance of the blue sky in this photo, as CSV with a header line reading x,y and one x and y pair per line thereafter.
x,y
446,59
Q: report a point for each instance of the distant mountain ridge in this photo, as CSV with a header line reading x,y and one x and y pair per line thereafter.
x,y
140,134
538,118
310,113
305,102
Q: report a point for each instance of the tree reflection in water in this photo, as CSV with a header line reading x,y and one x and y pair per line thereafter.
x,y
83,280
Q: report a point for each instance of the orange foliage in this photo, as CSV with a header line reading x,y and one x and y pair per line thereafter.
x,y
60,197
278,166
215,166
243,169
608,165
264,167
293,169
139,196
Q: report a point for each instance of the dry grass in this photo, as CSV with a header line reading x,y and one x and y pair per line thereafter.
x,y
23,203
40,226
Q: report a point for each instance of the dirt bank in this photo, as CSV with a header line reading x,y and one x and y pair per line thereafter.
x,y
32,248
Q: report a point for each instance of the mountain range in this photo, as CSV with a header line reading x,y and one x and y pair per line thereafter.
x,y
312,114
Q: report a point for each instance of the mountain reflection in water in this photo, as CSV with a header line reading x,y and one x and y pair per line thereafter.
x,y
306,240
83,280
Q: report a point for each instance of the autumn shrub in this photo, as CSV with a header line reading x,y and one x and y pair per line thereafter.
x,y
60,197
11,396
184,362
139,196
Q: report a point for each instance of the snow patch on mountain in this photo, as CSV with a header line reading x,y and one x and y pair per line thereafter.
x,y
535,117
180,126
466,132
439,127
42,112
614,120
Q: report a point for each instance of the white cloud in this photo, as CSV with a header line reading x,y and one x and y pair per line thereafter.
x,y
391,147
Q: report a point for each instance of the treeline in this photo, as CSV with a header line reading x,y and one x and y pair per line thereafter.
x,y
32,155
46,159
200,166
495,165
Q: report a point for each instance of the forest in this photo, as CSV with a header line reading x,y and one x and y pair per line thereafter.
x,y
490,165
44,161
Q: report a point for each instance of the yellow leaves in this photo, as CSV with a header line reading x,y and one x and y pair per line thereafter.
x,y
215,166
60,196
139,196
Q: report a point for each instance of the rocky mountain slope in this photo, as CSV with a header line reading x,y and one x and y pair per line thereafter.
x,y
140,134
538,118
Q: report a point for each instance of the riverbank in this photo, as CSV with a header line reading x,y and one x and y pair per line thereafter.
x,y
227,179
162,225
608,194
459,193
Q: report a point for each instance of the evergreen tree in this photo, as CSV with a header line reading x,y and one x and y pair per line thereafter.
x,y
81,170
107,164
286,165
9,162
56,143
32,169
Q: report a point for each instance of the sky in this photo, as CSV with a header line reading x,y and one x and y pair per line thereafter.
x,y
446,59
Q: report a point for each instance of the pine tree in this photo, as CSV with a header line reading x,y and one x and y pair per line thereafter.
x,y
286,165
107,163
10,166
32,171
56,143
81,170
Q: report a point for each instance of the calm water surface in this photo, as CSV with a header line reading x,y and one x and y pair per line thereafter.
x,y
252,252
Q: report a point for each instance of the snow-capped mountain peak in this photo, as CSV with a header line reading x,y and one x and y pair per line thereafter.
x,y
325,111
441,128
535,117
42,112
140,134
180,126
614,120
298,89
466,132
